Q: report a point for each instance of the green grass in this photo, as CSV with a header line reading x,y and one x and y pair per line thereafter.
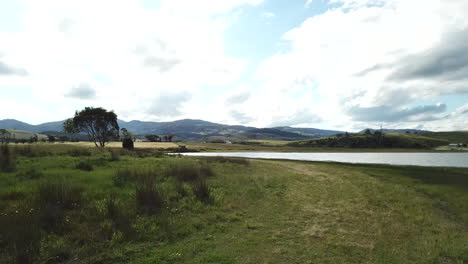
x,y
159,209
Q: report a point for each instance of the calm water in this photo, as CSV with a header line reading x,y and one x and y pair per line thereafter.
x,y
417,159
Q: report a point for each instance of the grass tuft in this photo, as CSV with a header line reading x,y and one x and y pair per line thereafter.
x,y
148,198
7,159
84,166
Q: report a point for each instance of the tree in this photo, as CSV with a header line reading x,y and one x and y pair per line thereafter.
x,y
367,131
127,139
5,136
51,138
170,137
99,124
70,128
153,138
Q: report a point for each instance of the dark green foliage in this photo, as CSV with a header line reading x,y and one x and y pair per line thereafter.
x,y
29,174
84,165
123,176
78,152
153,138
148,198
120,217
127,143
20,234
7,159
201,190
240,161
53,198
188,171
100,125
127,139
114,155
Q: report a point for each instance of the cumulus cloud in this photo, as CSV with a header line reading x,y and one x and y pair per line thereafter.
x,y
387,113
83,91
241,117
238,98
6,69
168,105
300,117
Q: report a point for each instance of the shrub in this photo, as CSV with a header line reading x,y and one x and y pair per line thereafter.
x,y
122,177
121,219
78,152
188,171
84,165
114,155
7,159
148,198
201,190
240,161
29,174
127,143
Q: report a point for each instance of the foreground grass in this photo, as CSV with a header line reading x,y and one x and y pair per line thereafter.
x,y
147,209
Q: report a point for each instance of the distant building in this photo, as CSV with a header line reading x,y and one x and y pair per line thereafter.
x,y
456,145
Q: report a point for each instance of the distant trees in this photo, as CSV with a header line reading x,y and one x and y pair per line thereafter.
x,y
70,128
127,139
99,124
153,138
5,136
51,138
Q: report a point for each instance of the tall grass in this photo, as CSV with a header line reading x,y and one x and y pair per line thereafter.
x,y
7,159
147,195
53,198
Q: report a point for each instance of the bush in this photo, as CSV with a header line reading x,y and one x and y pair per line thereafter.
x,y
7,159
202,191
114,155
29,174
148,198
120,218
84,165
127,143
240,161
188,171
78,152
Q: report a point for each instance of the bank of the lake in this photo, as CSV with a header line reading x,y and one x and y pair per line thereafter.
x,y
80,205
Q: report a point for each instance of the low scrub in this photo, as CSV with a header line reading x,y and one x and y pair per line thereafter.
x,y
84,166
7,159
29,174
20,234
119,216
79,152
240,161
114,155
53,198
147,195
188,170
201,190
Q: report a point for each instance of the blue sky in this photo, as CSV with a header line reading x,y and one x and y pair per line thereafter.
x,y
336,64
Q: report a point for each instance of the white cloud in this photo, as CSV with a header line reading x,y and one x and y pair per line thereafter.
x,y
330,50
130,54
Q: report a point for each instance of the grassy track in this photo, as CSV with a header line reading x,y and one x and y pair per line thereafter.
x,y
259,211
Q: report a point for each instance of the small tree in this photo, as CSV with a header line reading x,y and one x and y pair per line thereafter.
x,y
99,124
5,136
170,137
153,138
367,131
70,128
127,139
51,138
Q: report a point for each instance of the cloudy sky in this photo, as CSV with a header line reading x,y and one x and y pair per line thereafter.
x,y
335,64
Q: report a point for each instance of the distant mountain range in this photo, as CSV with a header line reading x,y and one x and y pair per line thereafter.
x,y
187,130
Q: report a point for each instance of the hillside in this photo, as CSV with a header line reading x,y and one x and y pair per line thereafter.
x,y
187,130
388,140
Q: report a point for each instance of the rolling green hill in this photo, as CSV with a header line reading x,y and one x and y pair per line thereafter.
x,y
390,140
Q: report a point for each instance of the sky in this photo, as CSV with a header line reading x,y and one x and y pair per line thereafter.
x,y
331,64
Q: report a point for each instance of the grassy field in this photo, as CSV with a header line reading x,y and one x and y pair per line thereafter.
x,y
68,204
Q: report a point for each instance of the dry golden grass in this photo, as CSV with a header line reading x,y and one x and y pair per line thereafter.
x,y
141,145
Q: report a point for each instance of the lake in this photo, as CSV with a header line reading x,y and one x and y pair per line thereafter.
x,y
415,159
